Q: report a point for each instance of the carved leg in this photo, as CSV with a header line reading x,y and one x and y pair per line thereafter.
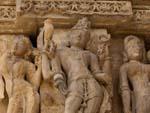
x,y
46,71
95,91
72,104
32,102
93,105
16,105
143,104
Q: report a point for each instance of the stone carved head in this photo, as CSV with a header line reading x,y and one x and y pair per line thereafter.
x,y
21,46
80,33
48,28
134,49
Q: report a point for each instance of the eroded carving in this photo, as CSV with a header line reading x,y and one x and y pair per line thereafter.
x,y
7,13
22,93
77,74
135,72
51,100
75,7
141,15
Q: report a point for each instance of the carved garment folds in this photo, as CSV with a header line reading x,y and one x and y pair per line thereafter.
x,y
77,74
135,77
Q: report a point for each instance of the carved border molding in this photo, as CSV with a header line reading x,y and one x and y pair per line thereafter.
x,y
7,2
141,14
7,13
70,7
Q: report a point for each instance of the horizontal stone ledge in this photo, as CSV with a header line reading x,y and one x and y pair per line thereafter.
x,y
141,14
71,7
7,2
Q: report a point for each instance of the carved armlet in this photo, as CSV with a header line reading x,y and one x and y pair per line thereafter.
x,y
124,88
107,58
58,76
97,72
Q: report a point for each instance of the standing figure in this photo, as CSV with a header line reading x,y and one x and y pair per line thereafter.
x,y
135,77
49,95
46,47
77,74
21,78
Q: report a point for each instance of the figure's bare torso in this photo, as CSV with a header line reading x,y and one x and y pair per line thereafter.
x,y
13,67
75,63
13,71
138,75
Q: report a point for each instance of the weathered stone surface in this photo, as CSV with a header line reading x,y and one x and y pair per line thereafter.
x,y
67,22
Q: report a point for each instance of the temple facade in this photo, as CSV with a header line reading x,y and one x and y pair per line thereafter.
x,y
111,21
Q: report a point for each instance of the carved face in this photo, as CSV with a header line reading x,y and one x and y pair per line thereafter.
x,y
134,49
48,30
79,38
20,48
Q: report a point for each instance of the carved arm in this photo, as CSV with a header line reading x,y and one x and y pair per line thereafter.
x,y
125,90
1,88
33,74
98,74
59,76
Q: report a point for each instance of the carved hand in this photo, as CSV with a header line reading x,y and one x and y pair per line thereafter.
x,y
103,78
38,61
103,52
62,87
60,84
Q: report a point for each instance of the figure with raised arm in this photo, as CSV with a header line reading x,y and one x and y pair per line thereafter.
x,y
77,74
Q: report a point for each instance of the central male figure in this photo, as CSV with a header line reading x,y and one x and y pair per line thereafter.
x,y
77,73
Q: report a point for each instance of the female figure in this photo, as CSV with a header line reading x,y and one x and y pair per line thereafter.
x,y
135,76
21,77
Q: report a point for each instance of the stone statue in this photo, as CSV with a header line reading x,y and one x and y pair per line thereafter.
x,y
21,78
135,77
77,74
49,95
46,46
99,44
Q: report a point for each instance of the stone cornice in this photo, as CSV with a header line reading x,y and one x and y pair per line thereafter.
x,y
15,17
71,7
7,2
141,14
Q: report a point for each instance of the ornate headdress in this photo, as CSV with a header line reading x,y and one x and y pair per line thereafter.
x,y
82,24
130,38
134,39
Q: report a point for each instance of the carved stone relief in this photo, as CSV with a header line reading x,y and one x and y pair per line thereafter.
x,y
136,72
74,64
7,13
38,68
75,7
141,15
75,83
